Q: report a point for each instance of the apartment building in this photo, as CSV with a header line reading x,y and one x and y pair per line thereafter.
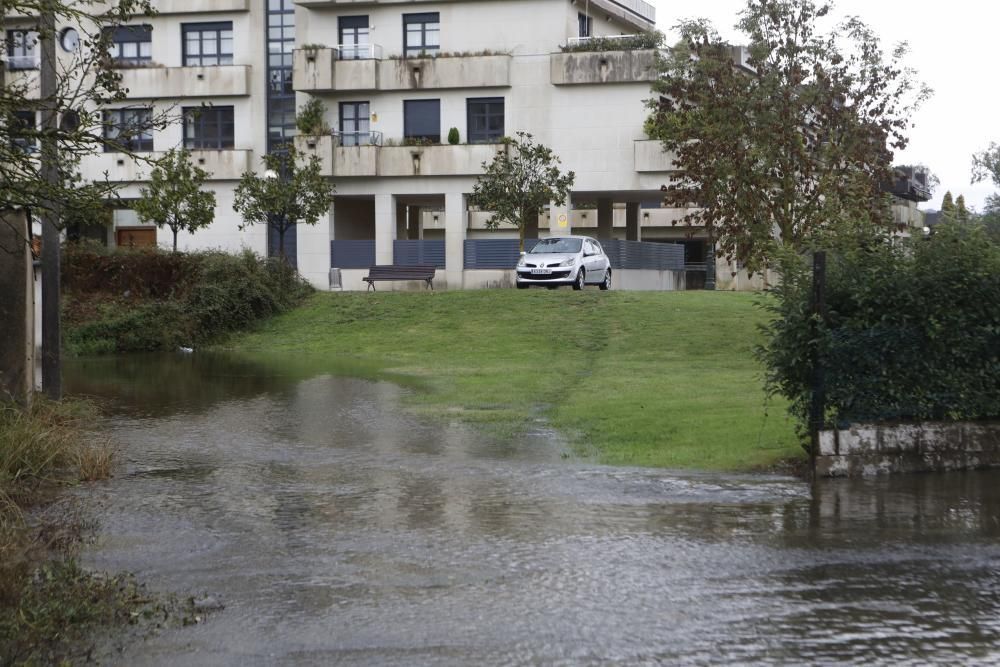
x,y
395,77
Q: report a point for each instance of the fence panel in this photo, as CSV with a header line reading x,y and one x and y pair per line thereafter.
x,y
352,254
644,255
427,253
494,253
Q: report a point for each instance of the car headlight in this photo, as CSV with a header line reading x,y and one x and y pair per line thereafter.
x,y
568,262
521,262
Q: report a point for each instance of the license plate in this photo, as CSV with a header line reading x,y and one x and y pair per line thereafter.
x,y
541,272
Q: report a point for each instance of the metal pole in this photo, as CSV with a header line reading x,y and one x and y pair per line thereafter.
x,y
51,334
817,407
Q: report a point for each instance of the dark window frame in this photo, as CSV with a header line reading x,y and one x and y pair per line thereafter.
x,y
486,136
355,137
355,27
209,124
585,25
423,19
408,120
23,45
20,118
132,34
141,140
205,35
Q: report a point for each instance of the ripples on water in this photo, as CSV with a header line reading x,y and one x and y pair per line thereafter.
x,y
338,529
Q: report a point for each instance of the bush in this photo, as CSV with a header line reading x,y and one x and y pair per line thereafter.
x,y
129,301
453,136
310,118
912,331
645,40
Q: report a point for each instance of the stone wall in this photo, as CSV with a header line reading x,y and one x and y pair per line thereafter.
x,y
884,449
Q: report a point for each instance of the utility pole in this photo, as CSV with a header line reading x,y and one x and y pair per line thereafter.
x,y
51,325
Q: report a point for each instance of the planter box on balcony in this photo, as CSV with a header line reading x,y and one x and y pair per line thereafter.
x,y
460,160
650,156
444,72
172,82
588,67
319,70
321,146
221,165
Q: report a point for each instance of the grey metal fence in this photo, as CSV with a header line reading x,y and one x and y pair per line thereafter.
x,y
352,254
427,253
494,253
644,255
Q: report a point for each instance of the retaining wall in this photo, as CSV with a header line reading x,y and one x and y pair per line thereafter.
x,y
883,449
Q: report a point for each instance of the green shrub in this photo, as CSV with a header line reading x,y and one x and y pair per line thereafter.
x,y
453,136
912,330
645,40
153,300
310,118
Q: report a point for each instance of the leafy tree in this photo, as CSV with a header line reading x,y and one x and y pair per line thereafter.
x,y
961,212
519,182
174,198
787,139
289,192
948,209
986,165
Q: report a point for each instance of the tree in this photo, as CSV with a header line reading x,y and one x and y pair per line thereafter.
x,y
174,198
961,212
948,210
49,119
289,192
986,165
519,182
787,139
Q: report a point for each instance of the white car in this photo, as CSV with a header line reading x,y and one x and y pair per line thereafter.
x,y
565,260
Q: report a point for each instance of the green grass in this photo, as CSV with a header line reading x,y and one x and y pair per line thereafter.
x,y
662,379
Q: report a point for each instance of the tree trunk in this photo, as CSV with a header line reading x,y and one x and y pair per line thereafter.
x,y
521,235
174,230
51,324
281,244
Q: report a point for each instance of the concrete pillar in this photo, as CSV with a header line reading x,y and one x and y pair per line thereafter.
x,y
385,227
456,222
415,223
559,224
313,251
17,312
605,219
401,221
633,230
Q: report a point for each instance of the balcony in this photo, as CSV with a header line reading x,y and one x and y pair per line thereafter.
x,y
457,71
198,6
340,68
368,159
650,157
574,68
909,183
221,165
150,83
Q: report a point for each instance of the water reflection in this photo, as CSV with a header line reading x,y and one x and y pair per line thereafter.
x,y
337,528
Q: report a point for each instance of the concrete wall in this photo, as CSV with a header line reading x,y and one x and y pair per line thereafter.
x,y
589,67
883,449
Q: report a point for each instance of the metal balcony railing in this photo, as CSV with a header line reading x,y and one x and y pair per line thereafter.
x,y
583,40
371,138
358,52
21,62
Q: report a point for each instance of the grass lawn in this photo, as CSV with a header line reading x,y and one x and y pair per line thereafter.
x,y
634,378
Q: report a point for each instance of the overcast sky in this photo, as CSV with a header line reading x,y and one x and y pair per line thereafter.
x,y
953,48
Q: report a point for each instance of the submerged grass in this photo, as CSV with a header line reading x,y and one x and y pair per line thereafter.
x,y
662,379
48,604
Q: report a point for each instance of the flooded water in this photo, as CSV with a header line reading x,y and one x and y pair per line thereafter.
x,y
336,528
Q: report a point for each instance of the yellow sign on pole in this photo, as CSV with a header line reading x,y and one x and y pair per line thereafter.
x,y
563,220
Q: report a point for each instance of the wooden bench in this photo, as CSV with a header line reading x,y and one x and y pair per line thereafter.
x,y
400,272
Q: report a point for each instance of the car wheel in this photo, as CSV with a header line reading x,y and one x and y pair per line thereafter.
x,y
606,284
581,279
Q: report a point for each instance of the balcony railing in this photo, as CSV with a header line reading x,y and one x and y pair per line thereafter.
x,y
372,138
358,52
579,41
22,62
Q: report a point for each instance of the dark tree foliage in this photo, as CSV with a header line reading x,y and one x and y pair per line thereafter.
x,y
913,329
793,135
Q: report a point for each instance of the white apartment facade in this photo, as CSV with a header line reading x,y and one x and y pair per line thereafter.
x,y
395,77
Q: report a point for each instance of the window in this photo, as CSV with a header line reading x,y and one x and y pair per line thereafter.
x,y
208,127
586,25
128,129
353,31
22,129
485,118
354,124
22,49
208,44
131,44
422,120
421,33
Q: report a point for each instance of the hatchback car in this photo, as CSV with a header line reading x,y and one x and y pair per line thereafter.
x,y
564,260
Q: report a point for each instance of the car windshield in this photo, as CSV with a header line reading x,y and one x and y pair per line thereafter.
x,y
557,245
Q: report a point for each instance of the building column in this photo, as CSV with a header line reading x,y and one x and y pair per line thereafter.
x,y
633,230
456,223
605,219
401,221
559,224
414,223
385,227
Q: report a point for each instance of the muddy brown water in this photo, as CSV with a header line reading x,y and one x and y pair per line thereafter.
x,y
338,528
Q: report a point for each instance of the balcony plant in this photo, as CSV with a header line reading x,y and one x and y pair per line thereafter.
x,y
310,119
453,136
645,40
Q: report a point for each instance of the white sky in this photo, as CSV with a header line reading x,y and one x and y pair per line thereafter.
x,y
954,50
